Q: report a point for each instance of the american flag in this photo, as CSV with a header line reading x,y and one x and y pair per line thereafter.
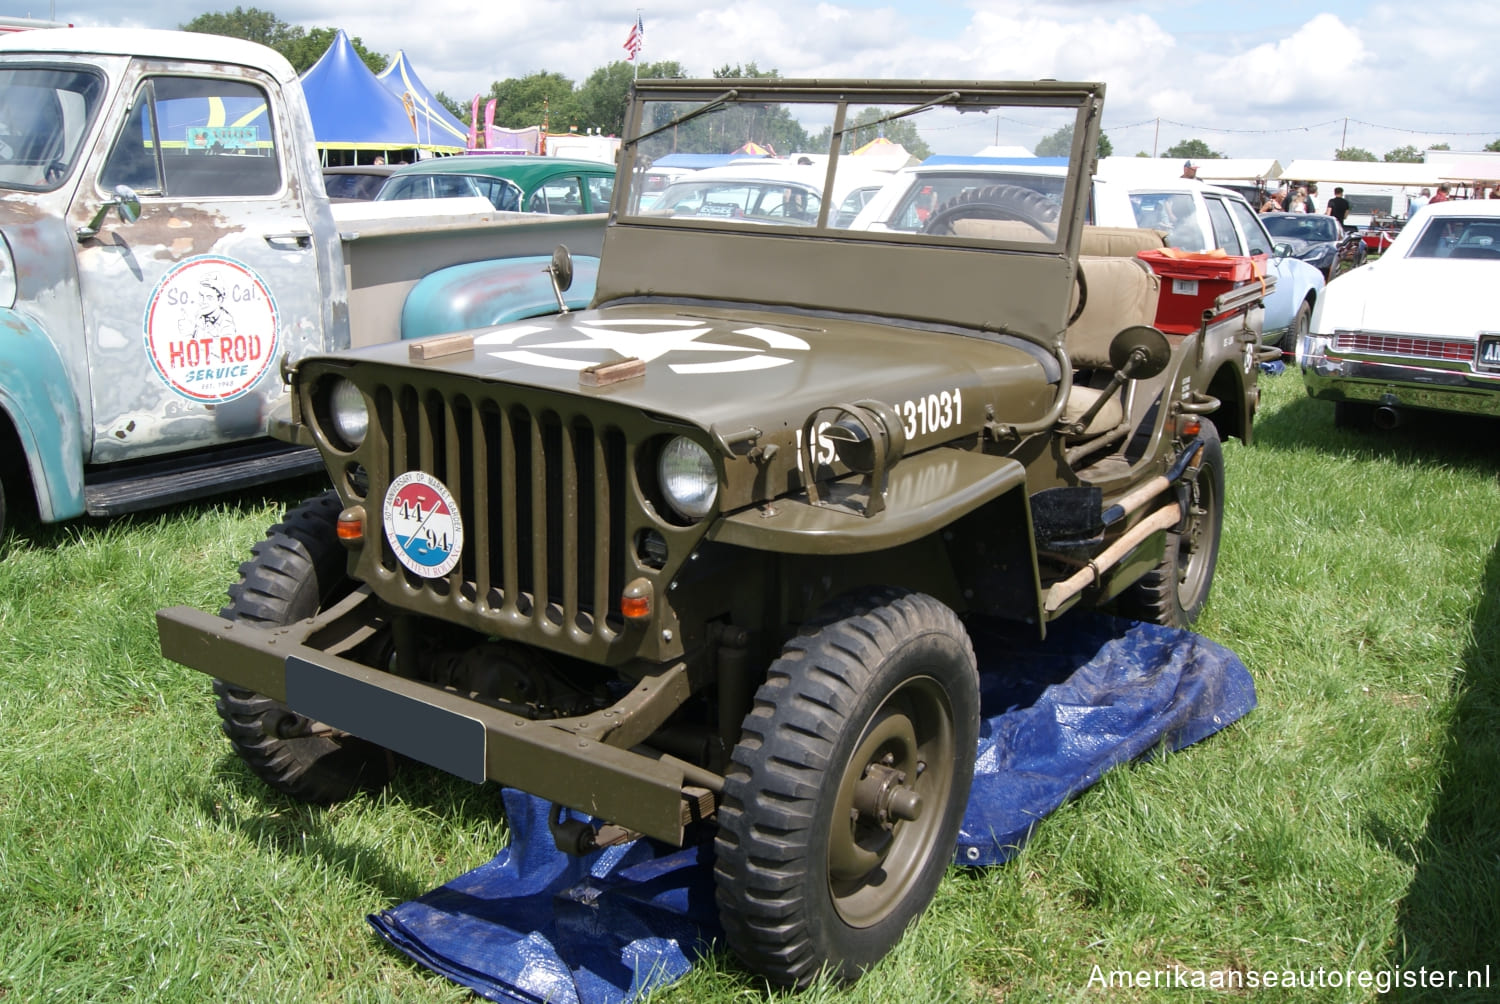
x,y
636,39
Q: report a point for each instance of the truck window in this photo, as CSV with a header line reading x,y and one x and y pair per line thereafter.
x,y
44,115
1257,241
196,137
1225,236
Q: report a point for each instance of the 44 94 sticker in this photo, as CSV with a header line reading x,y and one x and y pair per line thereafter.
x,y
423,524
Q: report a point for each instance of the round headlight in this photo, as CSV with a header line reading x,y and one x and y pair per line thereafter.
x,y
347,413
688,479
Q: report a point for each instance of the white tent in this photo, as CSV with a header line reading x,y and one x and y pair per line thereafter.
x,y
1363,172
1217,169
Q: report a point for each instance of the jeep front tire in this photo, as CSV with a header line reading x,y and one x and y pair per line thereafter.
x,y
846,790
292,574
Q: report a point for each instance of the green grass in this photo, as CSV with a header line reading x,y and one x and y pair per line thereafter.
x,y
1352,821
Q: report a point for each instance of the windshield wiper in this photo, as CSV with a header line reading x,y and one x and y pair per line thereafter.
x,y
712,105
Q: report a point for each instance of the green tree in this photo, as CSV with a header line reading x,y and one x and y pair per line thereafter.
x,y
253,24
536,98
1191,149
1493,146
729,128
604,96
1404,155
863,128
743,71
1443,146
1354,153
459,109
302,48
1060,143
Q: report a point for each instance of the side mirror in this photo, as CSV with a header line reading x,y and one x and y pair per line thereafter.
x,y
125,201
560,269
128,203
1281,250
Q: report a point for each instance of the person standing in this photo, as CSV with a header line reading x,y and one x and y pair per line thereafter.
x,y
1441,195
1309,206
1338,206
1416,202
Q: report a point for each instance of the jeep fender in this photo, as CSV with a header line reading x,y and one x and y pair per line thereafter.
x,y
38,399
479,294
925,493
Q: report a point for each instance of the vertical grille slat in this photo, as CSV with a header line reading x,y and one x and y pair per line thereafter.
x,y
604,544
539,520
541,492
480,511
510,494
569,484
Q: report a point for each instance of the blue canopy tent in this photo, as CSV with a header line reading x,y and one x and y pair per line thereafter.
x,y
352,110
435,124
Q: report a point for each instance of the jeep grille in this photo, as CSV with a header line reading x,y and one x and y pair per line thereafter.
x,y
542,492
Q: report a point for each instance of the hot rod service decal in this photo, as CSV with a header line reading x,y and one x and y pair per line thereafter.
x,y
211,328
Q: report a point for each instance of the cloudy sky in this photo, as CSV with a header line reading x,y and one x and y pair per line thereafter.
x,y
1264,79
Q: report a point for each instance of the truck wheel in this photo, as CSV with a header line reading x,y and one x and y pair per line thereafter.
x,y
294,572
1301,325
843,800
1173,593
996,202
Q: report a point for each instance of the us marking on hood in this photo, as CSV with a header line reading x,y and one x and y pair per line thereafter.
x,y
646,339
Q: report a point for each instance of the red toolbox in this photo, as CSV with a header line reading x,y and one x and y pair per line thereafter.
x,y
1192,280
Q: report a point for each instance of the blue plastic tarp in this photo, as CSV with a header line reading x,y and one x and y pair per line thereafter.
x,y
535,924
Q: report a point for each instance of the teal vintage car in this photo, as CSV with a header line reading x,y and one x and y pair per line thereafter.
x,y
514,182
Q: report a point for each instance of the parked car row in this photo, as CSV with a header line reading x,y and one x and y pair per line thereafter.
x,y
1195,217
553,185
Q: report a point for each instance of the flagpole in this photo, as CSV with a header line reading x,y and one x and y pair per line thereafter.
x,y
635,61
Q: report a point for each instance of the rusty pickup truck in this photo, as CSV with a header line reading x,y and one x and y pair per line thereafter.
x,y
168,250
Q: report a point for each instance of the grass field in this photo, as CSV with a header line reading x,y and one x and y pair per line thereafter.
x,y
1351,822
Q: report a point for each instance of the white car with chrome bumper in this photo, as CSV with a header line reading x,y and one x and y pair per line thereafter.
x,y
1415,329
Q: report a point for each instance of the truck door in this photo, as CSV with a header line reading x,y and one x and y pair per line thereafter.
x,y
188,311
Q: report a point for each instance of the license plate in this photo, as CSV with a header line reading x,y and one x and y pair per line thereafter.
x,y
1489,352
436,736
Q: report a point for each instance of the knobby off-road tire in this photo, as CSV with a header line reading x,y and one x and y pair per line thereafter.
x,y
874,706
1173,593
996,202
298,568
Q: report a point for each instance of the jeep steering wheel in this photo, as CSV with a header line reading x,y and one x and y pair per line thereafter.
x,y
996,202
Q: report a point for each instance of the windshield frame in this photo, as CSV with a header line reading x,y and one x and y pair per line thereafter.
x,y
1066,101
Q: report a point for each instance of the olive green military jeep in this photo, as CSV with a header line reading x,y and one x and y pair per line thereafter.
x,y
702,555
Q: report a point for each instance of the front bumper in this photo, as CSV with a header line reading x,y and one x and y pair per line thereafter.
x,y
562,760
1331,375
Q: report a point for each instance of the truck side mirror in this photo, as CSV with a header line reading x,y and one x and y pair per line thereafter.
x,y
125,201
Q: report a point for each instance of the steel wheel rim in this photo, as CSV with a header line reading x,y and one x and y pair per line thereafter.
x,y
872,866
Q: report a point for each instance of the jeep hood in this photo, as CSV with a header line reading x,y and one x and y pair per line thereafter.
x,y
729,368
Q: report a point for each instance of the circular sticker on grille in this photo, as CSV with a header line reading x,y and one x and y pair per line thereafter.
x,y
423,525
